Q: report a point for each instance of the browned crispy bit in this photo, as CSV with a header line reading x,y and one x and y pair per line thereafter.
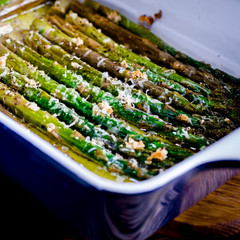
x,y
183,117
158,15
160,154
148,19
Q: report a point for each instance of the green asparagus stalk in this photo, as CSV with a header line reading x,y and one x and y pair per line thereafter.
x,y
56,53
52,126
106,101
145,47
84,26
66,42
29,89
81,105
4,2
94,59
115,55
113,51
118,18
106,51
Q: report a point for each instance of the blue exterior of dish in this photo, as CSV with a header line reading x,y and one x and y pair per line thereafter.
x,y
97,213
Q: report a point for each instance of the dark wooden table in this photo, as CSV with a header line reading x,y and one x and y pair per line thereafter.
x,y
215,217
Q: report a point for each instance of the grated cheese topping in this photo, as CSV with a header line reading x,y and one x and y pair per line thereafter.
x,y
30,82
5,29
100,62
9,92
133,163
78,20
76,65
97,142
107,40
51,127
77,41
3,60
32,105
105,107
124,64
74,122
125,97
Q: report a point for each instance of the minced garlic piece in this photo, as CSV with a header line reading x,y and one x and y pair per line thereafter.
x,y
114,168
114,16
96,110
183,117
105,107
160,154
84,21
132,144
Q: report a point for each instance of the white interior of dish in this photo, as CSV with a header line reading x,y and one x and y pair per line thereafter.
x,y
205,30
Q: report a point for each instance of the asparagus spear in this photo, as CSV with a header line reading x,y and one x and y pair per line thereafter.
x,y
114,51
81,105
145,47
107,49
118,18
105,100
94,59
55,52
29,89
84,26
52,126
58,37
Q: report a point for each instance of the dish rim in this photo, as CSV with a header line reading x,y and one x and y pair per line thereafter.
x,y
229,151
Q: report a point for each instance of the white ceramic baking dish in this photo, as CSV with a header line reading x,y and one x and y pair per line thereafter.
x,y
102,209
